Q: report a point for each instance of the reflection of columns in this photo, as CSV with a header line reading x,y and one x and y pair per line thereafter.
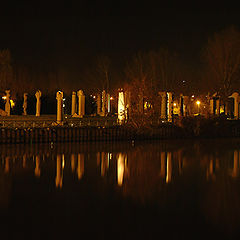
x,y
37,167
7,159
235,164
104,163
98,104
73,162
162,170
81,103
59,98
169,167
25,104
73,103
163,105
59,179
24,160
120,168
7,104
80,167
121,107
38,95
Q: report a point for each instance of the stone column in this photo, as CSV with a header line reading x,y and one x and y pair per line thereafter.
x,y
98,104
38,95
7,104
121,108
108,103
218,106
104,103
81,103
163,105
25,104
235,96
169,106
73,103
59,97
212,112
128,103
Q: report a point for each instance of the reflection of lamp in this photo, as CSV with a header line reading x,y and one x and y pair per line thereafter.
x,y
37,167
120,168
169,167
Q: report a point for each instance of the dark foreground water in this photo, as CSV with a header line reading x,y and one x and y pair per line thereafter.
x,y
148,190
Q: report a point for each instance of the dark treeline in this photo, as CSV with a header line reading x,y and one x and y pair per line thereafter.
x,y
147,72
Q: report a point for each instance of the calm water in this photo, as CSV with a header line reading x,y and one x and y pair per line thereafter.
x,y
166,189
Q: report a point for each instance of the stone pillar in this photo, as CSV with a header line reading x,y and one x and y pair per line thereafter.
x,y
235,96
108,103
38,95
212,112
121,108
163,105
7,104
73,103
98,104
81,103
128,103
169,106
185,106
25,104
103,103
218,106
59,97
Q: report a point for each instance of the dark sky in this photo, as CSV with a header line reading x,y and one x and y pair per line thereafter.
x,y
72,33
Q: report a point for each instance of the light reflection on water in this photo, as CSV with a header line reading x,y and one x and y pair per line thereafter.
x,y
193,182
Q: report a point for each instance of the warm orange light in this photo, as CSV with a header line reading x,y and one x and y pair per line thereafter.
x,y
174,104
111,98
4,97
198,103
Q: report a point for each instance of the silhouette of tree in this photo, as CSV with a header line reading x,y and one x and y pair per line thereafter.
x,y
222,55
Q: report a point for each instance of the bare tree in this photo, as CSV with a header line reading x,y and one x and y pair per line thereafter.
x,y
222,55
6,70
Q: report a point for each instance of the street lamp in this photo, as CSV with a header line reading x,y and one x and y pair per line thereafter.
x,y
198,104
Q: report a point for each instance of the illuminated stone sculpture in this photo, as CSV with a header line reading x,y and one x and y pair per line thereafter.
x,y
236,98
163,105
25,95
169,106
7,104
104,103
108,103
121,108
81,103
73,103
98,104
38,95
59,97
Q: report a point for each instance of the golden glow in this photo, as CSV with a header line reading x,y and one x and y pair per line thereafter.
x,y
120,168
37,167
111,98
169,167
73,162
63,162
59,179
4,97
198,102
174,104
80,167
121,107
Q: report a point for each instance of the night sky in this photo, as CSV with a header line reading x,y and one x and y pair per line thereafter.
x,y
71,34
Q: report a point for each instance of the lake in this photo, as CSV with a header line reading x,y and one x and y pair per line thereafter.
x,y
173,189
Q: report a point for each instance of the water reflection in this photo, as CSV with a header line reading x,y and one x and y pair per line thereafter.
x,y
203,176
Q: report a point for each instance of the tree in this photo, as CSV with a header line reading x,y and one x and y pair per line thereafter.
x,y
6,70
222,55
